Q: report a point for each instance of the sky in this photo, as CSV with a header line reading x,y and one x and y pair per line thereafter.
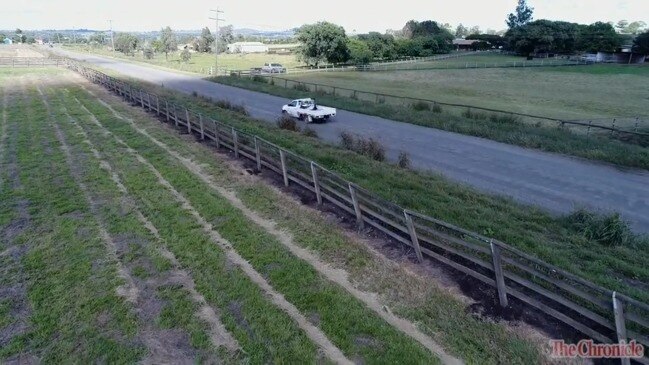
x,y
354,15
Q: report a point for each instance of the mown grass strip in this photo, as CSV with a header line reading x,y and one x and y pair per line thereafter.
x,y
137,251
351,326
553,239
265,333
437,313
71,286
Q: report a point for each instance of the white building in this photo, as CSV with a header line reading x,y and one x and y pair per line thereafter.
x,y
247,47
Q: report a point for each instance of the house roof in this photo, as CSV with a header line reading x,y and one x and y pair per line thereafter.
x,y
247,44
464,42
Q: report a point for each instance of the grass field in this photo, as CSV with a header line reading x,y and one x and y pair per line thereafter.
x,y
480,60
574,92
123,241
200,62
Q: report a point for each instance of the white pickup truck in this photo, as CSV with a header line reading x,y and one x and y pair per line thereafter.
x,y
307,110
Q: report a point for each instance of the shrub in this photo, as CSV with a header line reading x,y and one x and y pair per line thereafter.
x,y
272,82
608,230
310,132
420,106
234,74
225,104
288,123
469,113
258,78
301,87
504,118
365,146
404,160
347,140
437,108
194,94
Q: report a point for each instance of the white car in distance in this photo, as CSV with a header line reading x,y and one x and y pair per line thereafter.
x,y
307,110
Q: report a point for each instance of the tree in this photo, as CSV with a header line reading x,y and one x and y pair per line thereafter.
x,y
19,36
2,37
521,16
226,36
168,41
636,27
461,31
641,43
185,55
598,37
621,26
99,38
381,45
322,41
443,39
205,41
126,43
359,52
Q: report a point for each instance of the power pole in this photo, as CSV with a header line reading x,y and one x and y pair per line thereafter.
x,y
112,41
216,19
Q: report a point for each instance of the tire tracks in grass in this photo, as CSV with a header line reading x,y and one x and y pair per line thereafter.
x,y
14,304
338,276
162,298
68,280
218,334
314,333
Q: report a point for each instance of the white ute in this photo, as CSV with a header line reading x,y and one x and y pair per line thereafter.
x,y
307,110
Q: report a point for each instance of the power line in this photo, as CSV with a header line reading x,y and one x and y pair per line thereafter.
x,y
216,19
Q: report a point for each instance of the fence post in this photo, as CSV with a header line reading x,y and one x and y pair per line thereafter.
x,y
357,207
282,158
216,134
200,123
498,270
413,236
189,124
167,109
175,115
157,104
257,154
316,183
235,143
148,100
588,131
141,99
613,126
620,325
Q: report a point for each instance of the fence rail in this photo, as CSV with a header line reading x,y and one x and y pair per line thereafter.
x,y
29,61
627,125
602,314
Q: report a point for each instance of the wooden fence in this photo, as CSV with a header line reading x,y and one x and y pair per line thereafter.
x,y
601,314
29,61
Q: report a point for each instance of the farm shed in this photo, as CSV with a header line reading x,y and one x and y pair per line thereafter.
x,y
247,47
464,44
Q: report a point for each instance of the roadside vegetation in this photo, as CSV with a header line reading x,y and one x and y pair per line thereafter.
x,y
596,145
556,240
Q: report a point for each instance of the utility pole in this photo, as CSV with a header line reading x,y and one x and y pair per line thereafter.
x,y
216,19
112,41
